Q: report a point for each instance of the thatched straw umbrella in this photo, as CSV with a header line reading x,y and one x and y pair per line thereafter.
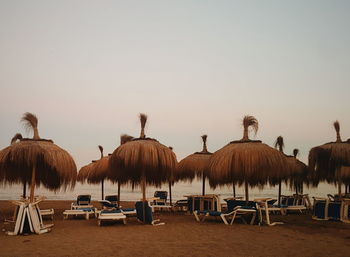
x,y
246,161
143,160
301,174
113,174
95,172
195,165
39,160
16,138
344,176
328,158
296,170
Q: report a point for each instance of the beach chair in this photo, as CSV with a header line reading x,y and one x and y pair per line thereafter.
x,y
110,215
144,213
181,205
83,201
235,209
345,210
320,210
18,218
86,212
113,199
35,220
161,201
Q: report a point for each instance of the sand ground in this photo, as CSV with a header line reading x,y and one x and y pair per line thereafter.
x,y
180,236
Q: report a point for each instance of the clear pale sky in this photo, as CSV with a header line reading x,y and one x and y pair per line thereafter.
x,y
88,68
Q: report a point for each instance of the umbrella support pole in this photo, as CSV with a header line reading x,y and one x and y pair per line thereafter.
x,y
102,188
24,189
143,185
32,185
279,192
246,192
339,188
234,190
118,193
203,185
170,196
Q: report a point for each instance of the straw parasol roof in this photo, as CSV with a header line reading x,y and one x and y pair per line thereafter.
x,y
143,160
246,161
194,165
38,160
96,171
326,160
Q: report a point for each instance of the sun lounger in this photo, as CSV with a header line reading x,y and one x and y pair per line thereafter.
x,y
35,220
86,212
144,213
235,209
83,201
161,201
110,215
345,210
18,218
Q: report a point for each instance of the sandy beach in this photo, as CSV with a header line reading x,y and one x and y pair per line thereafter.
x,y
180,236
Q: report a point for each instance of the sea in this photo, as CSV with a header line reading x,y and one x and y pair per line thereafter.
x,y
179,191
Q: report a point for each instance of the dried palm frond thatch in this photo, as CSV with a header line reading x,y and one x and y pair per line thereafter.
x,y
38,161
246,161
194,165
16,137
143,160
325,160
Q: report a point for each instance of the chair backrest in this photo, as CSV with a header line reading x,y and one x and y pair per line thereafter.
x,y
83,199
161,194
34,218
231,204
112,198
140,207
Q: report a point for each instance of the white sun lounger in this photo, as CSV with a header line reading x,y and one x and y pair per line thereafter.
x,y
19,218
110,215
35,221
79,212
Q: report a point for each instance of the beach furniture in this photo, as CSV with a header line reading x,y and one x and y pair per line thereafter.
x,y
235,209
203,202
144,213
86,212
107,205
35,220
263,206
47,212
327,209
345,210
160,201
113,199
111,215
181,205
18,218
83,201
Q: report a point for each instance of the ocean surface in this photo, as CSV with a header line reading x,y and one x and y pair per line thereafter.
x,y
178,191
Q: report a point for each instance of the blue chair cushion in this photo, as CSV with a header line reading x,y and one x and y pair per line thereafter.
x,y
111,211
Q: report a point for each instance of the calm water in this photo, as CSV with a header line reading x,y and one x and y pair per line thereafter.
x,y
178,191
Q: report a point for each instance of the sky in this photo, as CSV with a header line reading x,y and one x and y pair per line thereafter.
x,y
88,68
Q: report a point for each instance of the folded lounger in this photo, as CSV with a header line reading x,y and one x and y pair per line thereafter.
x,y
35,220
